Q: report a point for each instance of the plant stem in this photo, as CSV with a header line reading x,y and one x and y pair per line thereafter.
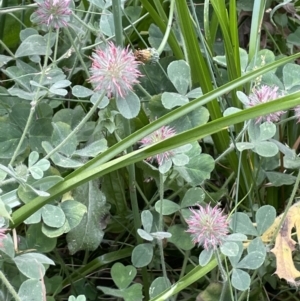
x,y
144,91
161,226
168,29
78,127
161,197
160,10
78,53
34,103
173,42
117,15
242,296
162,259
7,49
56,45
113,36
9,287
220,264
223,275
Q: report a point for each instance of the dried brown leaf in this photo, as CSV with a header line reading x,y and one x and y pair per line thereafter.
x,y
285,245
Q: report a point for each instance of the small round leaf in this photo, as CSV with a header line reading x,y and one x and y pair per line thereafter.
x,y
205,257
145,235
147,220
129,106
122,275
265,217
230,248
33,158
142,255
81,91
180,75
53,216
168,207
158,285
252,261
240,280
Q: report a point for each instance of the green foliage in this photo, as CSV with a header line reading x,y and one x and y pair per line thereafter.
x,y
79,194
122,277
258,137
129,106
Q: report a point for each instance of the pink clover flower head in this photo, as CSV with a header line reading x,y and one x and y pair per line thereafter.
x,y
114,70
54,13
208,226
262,95
157,136
297,112
2,235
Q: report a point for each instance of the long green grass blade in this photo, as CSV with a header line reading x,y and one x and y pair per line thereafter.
x,y
99,165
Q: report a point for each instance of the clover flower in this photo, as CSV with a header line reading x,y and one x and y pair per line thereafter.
x,y
208,226
262,95
297,113
157,136
114,70
53,13
2,235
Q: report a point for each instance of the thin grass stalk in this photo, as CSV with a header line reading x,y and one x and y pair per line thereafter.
x,y
234,34
163,27
77,51
199,70
255,32
34,103
229,27
213,24
168,30
256,21
160,10
210,38
77,128
231,43
200,73
9,287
